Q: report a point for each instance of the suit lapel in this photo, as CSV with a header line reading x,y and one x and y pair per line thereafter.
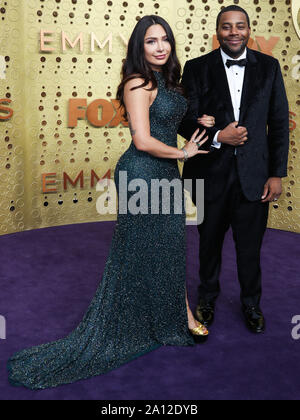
x,y
220,81
250,86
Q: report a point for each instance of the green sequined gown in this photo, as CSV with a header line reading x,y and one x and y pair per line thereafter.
x,y
140,302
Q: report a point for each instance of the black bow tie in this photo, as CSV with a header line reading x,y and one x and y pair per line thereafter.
x,y
241,63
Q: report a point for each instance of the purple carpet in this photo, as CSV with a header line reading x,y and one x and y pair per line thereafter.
x,y
49,276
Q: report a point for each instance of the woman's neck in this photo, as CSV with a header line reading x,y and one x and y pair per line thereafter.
x,y
156,69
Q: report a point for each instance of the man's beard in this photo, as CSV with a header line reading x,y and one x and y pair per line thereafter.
x,y
234,54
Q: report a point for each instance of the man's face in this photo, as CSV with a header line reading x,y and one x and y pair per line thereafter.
x,y
233,33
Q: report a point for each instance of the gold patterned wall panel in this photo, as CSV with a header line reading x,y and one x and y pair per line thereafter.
x,y
60,64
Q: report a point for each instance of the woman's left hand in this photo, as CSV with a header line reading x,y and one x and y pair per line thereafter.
x,y
207,121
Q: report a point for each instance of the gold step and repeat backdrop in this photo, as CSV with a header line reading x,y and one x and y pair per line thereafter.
x,y
61,131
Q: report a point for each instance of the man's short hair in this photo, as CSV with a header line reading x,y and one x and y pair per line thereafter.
x,y
232,8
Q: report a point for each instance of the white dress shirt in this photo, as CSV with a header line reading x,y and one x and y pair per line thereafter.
x,y
235,77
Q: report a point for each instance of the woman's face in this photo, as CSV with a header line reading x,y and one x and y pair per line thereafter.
x,y
157,47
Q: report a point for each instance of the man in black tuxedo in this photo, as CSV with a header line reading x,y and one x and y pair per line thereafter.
x,y
244,90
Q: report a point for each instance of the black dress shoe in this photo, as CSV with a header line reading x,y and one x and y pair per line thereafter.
x,y
254,319
205,312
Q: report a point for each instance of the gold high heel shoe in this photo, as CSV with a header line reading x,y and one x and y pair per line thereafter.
x,y
200,333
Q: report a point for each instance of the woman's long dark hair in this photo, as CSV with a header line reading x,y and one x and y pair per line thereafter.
x,y
135,65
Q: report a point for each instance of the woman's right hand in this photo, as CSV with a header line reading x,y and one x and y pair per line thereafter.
x,y
207,121
196,141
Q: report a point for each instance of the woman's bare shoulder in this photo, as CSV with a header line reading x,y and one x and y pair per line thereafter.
x,y
136,82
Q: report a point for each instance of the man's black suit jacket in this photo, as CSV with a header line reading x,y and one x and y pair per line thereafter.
x,y
264,112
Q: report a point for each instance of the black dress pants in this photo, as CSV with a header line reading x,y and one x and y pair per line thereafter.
x,y
248,221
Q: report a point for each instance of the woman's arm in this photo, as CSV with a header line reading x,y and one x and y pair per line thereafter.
x,y
137,104
191,120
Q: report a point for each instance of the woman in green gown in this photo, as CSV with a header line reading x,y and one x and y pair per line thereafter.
x,y
141,302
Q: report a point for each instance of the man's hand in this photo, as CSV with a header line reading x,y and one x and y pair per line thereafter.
x,y
233,135
272,190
